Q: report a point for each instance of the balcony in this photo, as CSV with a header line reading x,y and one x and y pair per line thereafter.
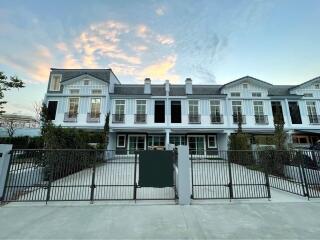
x,y
216,119
239,118
261,119
70,117
314,119
140,118
117,118
194,118
93,117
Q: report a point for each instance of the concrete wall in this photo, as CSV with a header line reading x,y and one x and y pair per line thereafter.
x,y
4,164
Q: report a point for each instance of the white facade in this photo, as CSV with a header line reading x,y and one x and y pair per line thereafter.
x,y
141,116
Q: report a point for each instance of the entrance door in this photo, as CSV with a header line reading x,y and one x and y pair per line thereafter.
x,y
136,142
196,144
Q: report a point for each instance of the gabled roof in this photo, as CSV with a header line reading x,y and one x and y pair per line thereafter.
x,y
246,78
305,83
68,74
280,90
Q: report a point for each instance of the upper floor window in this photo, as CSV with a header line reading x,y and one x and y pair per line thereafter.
x,y
193,107
235,94
96,91
245,85
295,113
95,106
308,95
312,112
119,107
258,108
86,82
55,82
317,86
141,107
215,107
73,106
236,108
74,91
256,94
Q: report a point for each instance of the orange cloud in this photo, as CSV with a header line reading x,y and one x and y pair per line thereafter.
x,y
162,69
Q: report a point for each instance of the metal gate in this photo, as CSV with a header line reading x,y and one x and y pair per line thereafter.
x,y
77,175
228,175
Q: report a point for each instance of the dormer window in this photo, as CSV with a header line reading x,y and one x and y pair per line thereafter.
x,y
74,91
256,94
55,82
235,94
86,82
308,95
245,85
317,86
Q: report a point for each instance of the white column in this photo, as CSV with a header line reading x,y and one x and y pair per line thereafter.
x,y
4,164
167,137
184,178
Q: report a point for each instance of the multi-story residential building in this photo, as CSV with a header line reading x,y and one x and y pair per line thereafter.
x,y
149,115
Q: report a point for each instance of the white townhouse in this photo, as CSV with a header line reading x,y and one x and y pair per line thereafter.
x,y
144,116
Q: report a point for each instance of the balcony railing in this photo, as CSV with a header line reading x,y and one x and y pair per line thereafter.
x,y
70,117
194,118
261,119
216,119
140,118
314,119
93,117
118,118
238,117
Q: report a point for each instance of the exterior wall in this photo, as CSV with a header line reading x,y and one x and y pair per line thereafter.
x,y
85,95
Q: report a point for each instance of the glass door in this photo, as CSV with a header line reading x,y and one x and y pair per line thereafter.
x,y
196,145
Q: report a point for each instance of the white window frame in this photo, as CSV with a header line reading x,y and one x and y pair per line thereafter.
x,y
74,89
115,106
311,107
216,105
51,82
310,95
258,106
215,141
232,105
99,111
245,85
84,80
100,91
317,86
124,142
136,106
235,93
198,106
257,94
70,104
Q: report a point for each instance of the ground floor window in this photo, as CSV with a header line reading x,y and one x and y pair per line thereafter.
x,y
136,142
212,141
300,139
121,141
177,140
156,141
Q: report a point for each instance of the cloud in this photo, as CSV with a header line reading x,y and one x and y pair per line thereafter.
x,y
160,11
163,69
165,40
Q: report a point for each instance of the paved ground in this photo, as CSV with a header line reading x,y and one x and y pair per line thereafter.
x,y
251,219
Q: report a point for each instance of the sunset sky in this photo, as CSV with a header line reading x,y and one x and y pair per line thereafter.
x,y
209,41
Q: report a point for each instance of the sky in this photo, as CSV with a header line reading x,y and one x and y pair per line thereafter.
x,y
211,41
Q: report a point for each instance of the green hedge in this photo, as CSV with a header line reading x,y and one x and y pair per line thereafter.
x,y
23,142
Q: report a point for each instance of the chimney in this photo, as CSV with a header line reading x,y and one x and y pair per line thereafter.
x,y
167,86
188,86
147,86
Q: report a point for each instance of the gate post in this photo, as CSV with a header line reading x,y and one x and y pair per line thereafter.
x,y
184,188
4,166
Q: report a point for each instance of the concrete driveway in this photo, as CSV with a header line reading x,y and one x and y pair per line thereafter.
x,y
149,220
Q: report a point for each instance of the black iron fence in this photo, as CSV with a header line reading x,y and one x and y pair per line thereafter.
x,y
251,174
77,175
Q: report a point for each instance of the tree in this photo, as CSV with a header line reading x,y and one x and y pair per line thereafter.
x,y
106,130
280,136
7,84
10,124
